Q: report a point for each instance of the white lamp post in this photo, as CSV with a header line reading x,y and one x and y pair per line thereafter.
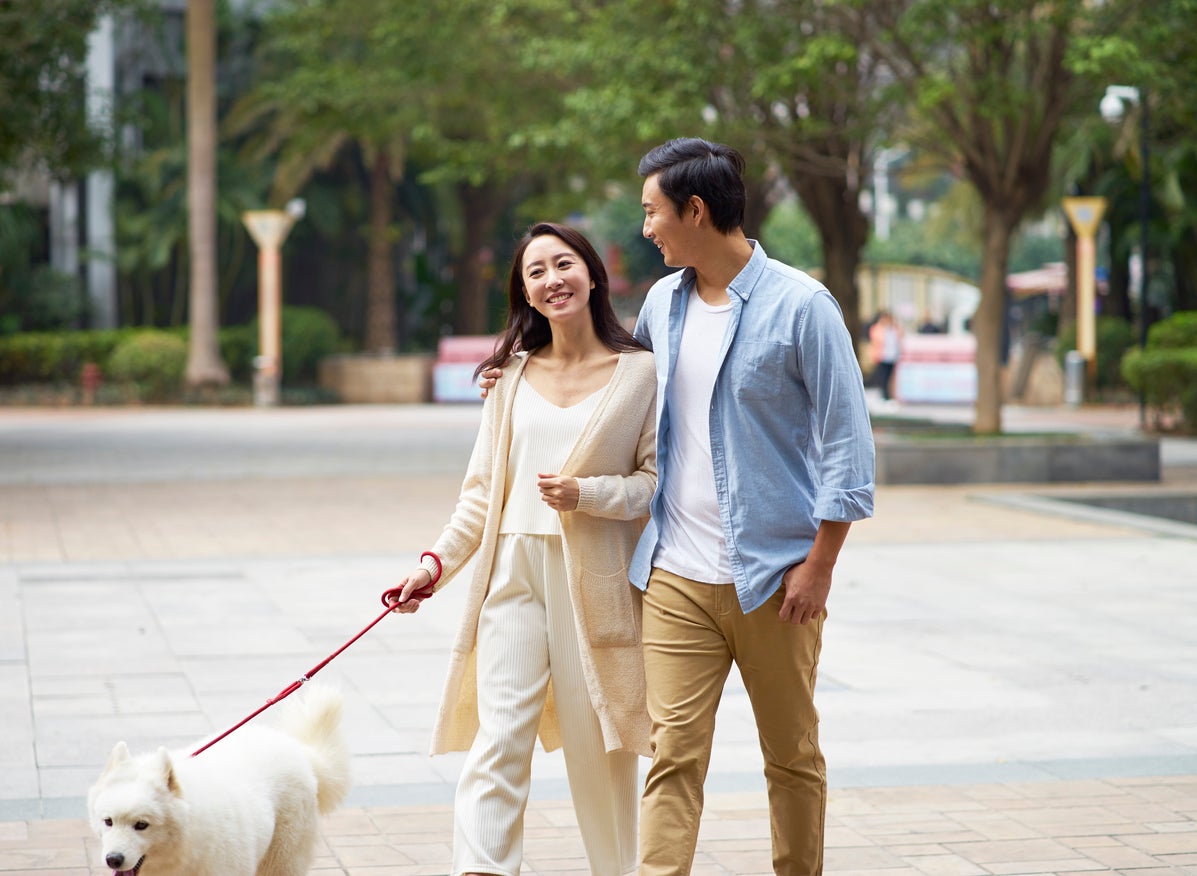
x,y
269,228
882,207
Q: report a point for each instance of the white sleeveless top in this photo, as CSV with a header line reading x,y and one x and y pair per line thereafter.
x,y
542,437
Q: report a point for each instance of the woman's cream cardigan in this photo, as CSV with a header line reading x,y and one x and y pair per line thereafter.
x,y
615,464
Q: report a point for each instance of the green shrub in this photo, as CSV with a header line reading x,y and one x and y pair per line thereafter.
x,y
50,357
153,361
1166,372
1175,332
238,346
1114,337
309,334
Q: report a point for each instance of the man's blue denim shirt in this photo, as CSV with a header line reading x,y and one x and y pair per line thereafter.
x,y
790,435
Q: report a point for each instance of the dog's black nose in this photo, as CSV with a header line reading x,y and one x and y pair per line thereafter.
x,y
115,860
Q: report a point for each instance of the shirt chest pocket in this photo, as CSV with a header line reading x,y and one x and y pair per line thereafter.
x,y
758,369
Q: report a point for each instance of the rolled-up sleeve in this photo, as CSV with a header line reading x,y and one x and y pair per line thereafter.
x,y
840,416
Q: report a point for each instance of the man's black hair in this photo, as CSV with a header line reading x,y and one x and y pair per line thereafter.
x,y
714,172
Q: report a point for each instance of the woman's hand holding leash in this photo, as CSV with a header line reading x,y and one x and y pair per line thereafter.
x,y
415,588
401,597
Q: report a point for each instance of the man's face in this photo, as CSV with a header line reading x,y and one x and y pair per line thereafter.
x,y
663,226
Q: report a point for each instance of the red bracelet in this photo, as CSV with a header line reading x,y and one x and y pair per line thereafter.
x,y
439,565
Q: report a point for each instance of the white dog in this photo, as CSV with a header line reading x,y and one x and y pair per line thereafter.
x,y
247,806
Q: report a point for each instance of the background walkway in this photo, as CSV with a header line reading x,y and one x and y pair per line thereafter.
x,y
1006,687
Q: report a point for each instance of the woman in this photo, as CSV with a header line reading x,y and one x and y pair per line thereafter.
x,y
885,342
552,505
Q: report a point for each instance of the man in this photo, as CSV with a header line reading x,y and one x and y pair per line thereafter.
x,y
765,457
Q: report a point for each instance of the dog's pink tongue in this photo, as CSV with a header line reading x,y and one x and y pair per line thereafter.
x,y
123,872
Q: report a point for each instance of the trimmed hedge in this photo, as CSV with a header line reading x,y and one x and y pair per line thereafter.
x,y
55,357
153,361
1175,332
309,334
1166,372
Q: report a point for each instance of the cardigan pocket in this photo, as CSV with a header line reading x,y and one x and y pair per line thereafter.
x,y
608,605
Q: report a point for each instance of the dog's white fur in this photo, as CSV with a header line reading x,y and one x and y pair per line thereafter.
x,y
248,806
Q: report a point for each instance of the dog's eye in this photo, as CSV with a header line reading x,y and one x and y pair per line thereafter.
x,y
141,825
108,822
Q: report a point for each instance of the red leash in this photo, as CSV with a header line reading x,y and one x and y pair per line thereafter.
x,y
419,595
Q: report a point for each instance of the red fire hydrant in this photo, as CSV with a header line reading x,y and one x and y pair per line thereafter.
x,y
89,382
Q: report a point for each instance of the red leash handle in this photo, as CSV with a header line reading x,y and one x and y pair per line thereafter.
x,y
390,599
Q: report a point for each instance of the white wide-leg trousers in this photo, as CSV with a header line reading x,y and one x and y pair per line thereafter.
x,y
526,635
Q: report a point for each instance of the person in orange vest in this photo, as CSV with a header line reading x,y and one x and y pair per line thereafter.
x,y
885,343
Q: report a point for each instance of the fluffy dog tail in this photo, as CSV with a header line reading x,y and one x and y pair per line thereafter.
x,y
314,719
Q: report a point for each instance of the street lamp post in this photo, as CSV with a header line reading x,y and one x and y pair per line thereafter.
x,y
269,228
1113,108
881,198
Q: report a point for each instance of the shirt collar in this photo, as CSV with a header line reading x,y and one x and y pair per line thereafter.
x,y
743,283
746,280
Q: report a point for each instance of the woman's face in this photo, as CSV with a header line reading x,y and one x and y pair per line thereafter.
x,y
556,280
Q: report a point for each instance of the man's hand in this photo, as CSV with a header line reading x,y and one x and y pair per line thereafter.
x,y
807,586
488,378
558,492
808,583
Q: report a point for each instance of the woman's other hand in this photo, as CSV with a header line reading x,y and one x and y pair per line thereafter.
x,y
558,492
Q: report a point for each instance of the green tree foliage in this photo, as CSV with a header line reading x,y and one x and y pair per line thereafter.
x,y
989,84
33,297
784,82
1165,69
43,113
153,256
436,86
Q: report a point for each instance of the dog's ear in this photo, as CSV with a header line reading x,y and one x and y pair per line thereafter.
x,y
120,754
166,770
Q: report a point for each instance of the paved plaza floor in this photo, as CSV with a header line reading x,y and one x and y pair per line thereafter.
x,y
1008,683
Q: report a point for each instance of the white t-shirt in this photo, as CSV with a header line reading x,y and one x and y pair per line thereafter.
x,y
691,542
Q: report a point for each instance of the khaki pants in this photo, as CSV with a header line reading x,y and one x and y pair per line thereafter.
x,y
693,632
525,635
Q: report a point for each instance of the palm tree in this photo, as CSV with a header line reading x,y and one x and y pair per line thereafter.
x,y
204,365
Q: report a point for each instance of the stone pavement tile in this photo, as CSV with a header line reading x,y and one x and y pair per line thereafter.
x,y
994,825
353,515
246,518
918,836
1161,844
1115,855
941,865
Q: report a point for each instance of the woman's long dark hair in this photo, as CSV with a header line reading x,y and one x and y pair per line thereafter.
x,y
528,330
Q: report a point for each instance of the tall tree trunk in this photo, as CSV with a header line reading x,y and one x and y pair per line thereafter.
x,y
1067,314
834,206
380,281
989,320
204,365
480,207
